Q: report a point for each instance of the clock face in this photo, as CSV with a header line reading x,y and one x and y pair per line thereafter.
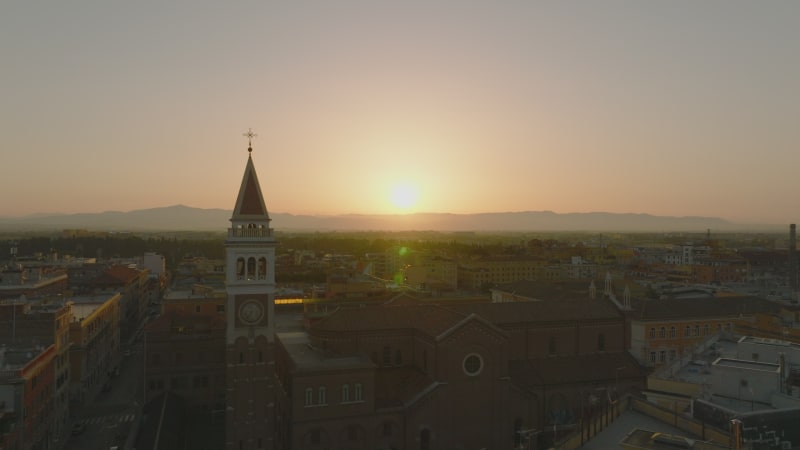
x,y
251,312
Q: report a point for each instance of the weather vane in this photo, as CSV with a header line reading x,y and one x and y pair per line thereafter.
x,y
250,135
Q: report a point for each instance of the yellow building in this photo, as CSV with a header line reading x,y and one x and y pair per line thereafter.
x,y
664,329
94,334
476,275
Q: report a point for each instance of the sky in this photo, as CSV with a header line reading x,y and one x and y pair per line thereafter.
x,y
675,108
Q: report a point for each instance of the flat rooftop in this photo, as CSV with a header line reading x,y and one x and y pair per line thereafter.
x,y
83,306
291,331
613,435
307,357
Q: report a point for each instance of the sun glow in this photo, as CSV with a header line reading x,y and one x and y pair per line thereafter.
x,y
404,196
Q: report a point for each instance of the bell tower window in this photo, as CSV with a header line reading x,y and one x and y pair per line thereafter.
x,y
240,269
251,268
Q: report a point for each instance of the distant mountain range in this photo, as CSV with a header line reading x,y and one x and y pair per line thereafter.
x,y
184,218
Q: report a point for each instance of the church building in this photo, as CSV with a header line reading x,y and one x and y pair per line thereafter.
x,y
408,373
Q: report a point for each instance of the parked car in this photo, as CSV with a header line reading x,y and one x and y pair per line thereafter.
x,y
78,428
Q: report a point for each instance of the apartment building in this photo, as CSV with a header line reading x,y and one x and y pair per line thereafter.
x,y
95,337
665,329
27,394
37,323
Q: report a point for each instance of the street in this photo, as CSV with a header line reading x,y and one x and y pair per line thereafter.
x,y
109,419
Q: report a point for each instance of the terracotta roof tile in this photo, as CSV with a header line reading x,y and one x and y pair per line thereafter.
x,y
549,290
435,319
430,319
687,308
567,370
122,274
542,311
190,322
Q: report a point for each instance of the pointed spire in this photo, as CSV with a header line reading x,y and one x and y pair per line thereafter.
x,y
250,201
592,290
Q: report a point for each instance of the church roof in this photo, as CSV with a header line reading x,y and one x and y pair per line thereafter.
x,y
435,319
550,290
694,308
532,373
430,319
542,311
250,202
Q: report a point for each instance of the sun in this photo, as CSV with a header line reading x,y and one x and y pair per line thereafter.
x,y
404,195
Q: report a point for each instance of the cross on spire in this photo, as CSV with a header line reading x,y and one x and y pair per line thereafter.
x,y
249,135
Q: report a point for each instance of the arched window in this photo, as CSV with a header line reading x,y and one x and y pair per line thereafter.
x,y
672,332
322,395
688,331
601,342
345,393
705,330
309,396
240,269
662,332
652,332
358,392
262,268
251,268
697,330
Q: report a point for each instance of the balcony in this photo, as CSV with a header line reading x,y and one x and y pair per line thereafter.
x,y
249,233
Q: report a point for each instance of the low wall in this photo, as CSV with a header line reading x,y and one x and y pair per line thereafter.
x,y
607,416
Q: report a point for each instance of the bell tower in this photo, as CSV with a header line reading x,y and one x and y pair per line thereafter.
x,y
250,332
